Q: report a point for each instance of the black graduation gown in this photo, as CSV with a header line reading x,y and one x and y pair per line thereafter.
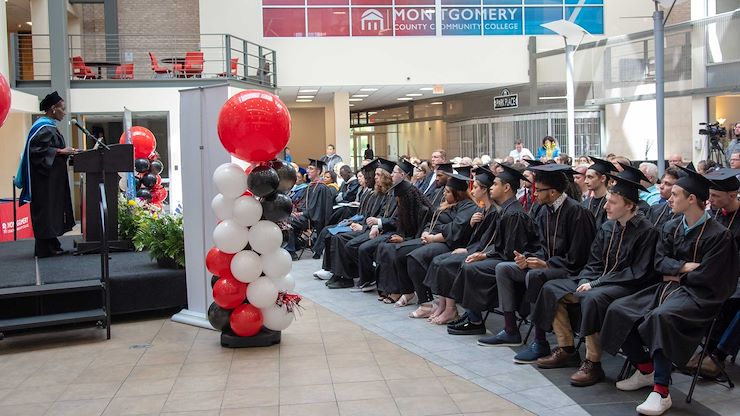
x,y
596,207
628,254
427,185
386,252
474,286
444,267
674,317
51,198
731,222
316,208
349,190
660,214
339,215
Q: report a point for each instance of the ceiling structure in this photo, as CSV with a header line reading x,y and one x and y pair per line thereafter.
x,y
18,15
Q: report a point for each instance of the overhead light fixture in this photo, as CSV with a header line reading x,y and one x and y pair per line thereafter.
x,y
368,89
339,12
29,23
558,97
360,95
404,99
355,99
438,89
306,96
303,101
426,89
414,94
437,103
351,105
307,90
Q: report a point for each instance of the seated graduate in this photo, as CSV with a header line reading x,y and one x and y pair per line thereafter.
x,y
698,260
437,195
298,191
661,212
473,281
350,187
596,182
345,267
723,197
635,175
448,229
412,214
566,230
620,264
315,208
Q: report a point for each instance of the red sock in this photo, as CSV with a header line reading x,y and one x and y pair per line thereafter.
x,y
661,389
645,368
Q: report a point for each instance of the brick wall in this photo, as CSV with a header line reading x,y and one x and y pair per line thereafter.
x,y
681,13
160,17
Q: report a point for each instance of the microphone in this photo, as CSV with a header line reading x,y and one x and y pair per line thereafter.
x,y
87,133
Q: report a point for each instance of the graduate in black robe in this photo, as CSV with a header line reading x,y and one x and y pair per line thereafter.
x,y
44,180
566,231
596,182
661,212
473,283
348,191
723,196
314,209
698,260
635,175
620,264
448,229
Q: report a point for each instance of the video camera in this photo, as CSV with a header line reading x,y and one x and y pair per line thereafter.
x,y
714,131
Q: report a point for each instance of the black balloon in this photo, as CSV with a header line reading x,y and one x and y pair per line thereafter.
x,y
142,165
144,193
262,181
286,173
149,180
157,167
218,317
276,207
214,279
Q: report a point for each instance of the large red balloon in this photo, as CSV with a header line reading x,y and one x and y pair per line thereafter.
x,y
254,126
4,99
246,320
143,140
219,263
229,293
159,194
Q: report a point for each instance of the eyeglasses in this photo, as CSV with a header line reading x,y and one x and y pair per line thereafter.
x,y
543,190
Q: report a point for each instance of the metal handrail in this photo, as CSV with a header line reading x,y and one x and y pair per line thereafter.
x,y
104,265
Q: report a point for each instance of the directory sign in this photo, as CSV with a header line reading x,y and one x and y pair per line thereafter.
x,y
362,18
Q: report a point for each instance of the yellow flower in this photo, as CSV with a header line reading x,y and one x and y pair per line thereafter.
x,y
131,202
154,215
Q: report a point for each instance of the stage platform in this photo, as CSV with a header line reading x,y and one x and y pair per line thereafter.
x,y
137,283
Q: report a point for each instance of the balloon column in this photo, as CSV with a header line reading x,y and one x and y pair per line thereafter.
x,y
147,167
4,99
252,281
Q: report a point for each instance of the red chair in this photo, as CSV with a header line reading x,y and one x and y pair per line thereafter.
x,y
234,64
125,71
80,70
158,70
193,66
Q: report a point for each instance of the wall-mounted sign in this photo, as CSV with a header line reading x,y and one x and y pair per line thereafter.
x,y
360,18
506,100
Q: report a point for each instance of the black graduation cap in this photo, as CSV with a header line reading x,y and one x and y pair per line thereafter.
x,y
724,179
484,176
694,183
385,164
511,176
49,101
320,164
625,187
406,166
370,167
602,166
463,170
533,162
456,181
551,168
445,167
632,173
402,187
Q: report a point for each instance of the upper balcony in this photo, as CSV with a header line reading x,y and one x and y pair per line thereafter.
x,y
109,61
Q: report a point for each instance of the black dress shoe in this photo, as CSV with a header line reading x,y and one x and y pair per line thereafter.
x,y
316,256
467,328
294,256
341,283
333,279
61,252
459,320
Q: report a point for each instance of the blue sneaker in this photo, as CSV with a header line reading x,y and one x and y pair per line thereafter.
x,y
532,353
502,339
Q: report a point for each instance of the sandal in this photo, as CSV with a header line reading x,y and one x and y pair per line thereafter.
x,y
388,300
438,321
421,312
405,300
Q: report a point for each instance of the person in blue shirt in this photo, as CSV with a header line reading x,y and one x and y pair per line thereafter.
x,y
652,195
549,149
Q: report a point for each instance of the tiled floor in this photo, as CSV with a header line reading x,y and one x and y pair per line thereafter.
x,y
325,365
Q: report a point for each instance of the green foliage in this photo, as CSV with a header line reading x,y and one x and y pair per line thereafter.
x,y
162,235
129,215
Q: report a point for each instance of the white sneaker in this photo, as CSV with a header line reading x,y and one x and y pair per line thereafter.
x,y
636,382
322,274
655,404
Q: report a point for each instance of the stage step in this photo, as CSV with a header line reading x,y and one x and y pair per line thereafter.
x,y
52,320
50,288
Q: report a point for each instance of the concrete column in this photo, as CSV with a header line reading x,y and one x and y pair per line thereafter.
x,y
337,125
40,26
59,54
3,40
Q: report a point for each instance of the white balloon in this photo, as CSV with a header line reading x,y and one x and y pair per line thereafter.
x,y
247,210
123,184
262,293
283,283
266,237
223,207
230,180
276,263
246,266
230,237
276,317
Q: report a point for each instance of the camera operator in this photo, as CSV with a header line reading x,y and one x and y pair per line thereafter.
x,y
734,145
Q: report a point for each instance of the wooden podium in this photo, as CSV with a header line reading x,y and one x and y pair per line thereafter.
x,y
102,165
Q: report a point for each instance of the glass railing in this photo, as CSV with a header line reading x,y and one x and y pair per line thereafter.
x,y
96,57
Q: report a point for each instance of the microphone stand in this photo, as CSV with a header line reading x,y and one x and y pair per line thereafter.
x,y
90,135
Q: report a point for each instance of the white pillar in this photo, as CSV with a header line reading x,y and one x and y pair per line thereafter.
x,y
41,44
337,125
570,94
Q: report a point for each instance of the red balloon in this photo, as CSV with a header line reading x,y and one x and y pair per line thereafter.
x,y
159,181
143,140
229,293
246,320
219,263
4,99
254,126
159,194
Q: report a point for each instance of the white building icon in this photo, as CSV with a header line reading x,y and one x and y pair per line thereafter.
x,y
372,19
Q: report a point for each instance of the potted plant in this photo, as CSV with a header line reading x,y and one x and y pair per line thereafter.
x,y
162,235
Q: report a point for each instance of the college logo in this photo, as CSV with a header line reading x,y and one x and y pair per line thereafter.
x,y
373,20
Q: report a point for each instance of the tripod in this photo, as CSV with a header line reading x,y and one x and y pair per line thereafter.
x,y
716,154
